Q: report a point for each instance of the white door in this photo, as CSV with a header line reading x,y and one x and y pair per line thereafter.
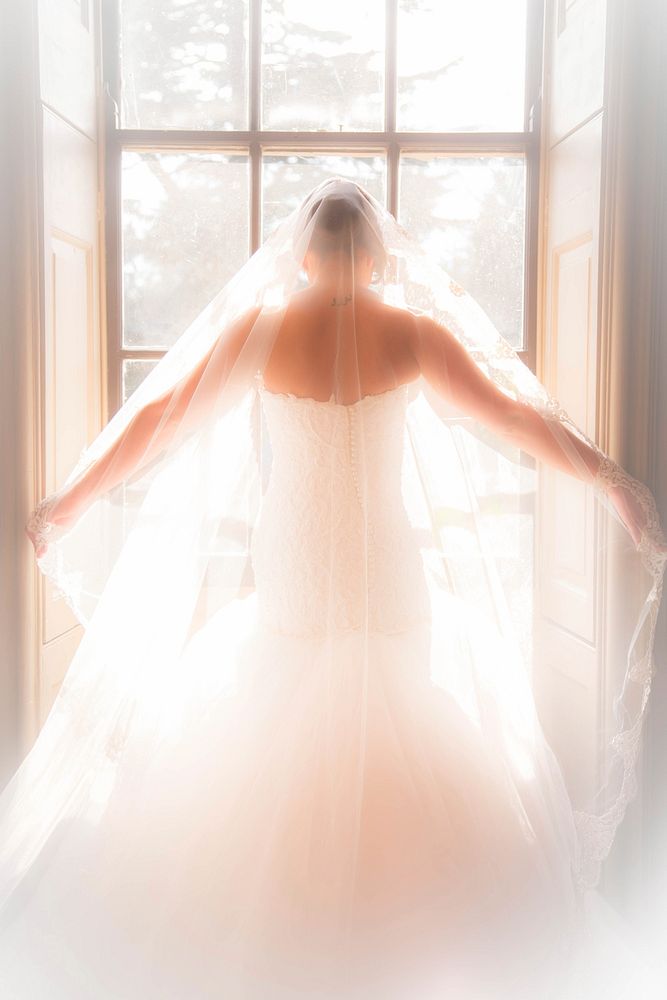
x,y
71,376
568,605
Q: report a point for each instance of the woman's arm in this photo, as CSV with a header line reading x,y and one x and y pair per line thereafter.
x,y
448,367
450,370
153,427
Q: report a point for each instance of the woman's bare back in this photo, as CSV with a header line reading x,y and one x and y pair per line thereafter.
x,y
324,349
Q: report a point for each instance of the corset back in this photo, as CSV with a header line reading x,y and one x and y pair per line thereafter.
x,y
333,549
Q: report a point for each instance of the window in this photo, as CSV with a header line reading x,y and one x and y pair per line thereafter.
x,y
224,113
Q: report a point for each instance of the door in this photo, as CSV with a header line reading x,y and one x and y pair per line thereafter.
x,y
71,356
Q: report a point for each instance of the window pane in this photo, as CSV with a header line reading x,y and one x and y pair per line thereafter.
x,y
134,372
469,212
461,65
184,64
323,64
185,232
286,179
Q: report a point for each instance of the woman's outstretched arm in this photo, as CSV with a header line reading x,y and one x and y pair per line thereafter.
x,y
450,370
152,428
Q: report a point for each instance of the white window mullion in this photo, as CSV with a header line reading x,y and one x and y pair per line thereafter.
x,y
254,122
390,92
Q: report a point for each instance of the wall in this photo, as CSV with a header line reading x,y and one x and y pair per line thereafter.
x,y
20,250
638,382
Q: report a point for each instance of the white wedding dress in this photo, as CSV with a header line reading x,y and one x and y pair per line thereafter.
x,y
297,752
241,862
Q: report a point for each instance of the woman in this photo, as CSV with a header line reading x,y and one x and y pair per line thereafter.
x,y
297,752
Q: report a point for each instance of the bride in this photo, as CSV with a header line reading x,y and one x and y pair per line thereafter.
x,y
297,753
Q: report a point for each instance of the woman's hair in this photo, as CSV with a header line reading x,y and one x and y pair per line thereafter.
x,y
345,221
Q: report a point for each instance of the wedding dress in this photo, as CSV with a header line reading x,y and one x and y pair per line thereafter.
x,y
311,766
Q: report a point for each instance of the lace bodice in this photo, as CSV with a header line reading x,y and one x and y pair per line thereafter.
x,y
333,549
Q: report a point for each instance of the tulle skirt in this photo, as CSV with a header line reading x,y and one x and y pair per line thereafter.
x,y
356,816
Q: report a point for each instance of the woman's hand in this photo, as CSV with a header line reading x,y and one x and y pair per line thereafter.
x,y
634,517
629,510
48,520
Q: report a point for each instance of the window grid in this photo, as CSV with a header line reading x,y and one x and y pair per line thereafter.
x,y
255,143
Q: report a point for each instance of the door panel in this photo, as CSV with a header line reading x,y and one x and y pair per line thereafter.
x,y
570,595
71,379
569,586
70,392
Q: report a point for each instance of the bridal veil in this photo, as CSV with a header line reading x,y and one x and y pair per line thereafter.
x,y
154,561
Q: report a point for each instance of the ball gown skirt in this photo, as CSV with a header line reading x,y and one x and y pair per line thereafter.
x,y
237,861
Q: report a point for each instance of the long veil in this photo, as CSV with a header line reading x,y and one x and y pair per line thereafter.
x,y
160,553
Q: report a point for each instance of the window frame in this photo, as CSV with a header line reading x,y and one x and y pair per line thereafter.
x,y
256,142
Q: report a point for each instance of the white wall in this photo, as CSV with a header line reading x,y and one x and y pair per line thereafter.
x,y
19,332
638,380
